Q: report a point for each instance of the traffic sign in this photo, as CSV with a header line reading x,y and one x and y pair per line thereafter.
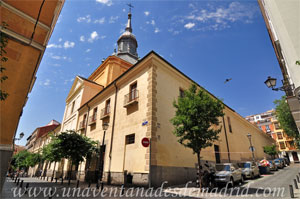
x,y
145,142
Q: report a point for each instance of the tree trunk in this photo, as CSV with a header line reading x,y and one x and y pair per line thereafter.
x,y
70,171
199,170
53,170
62,168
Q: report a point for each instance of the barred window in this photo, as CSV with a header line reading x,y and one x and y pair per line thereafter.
x,y
130,139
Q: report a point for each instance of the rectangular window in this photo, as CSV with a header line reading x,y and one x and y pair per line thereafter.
x,y
130,139
107,107
95,112
279,135
282,145
267,127
229,124
84,118
181,92
73,105
277,126
133,91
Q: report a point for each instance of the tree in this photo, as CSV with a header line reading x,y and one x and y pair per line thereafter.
x,y
3,44
74,147
286,120
19,161
196,120
51,153
271,150
33,159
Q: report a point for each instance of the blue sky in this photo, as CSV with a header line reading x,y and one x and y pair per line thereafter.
x,y
207,40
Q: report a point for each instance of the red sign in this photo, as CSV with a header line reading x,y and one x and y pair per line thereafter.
x,y
145,142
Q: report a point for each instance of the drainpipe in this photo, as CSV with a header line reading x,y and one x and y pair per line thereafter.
x,y
228,152
112,135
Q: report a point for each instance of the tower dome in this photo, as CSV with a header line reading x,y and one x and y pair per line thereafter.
x,y
127,44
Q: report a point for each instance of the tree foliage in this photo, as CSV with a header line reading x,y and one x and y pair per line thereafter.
x,y
196,119
286,120
271,150
73,146
52,153
25,159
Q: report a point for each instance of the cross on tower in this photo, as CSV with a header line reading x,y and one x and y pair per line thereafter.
x,y
130,6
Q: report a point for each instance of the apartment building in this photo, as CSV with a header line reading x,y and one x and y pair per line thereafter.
x,y
269,124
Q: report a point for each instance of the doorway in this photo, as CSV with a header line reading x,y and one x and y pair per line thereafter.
x,y
217,153
295,156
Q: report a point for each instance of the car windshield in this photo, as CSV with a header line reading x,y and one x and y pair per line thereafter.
x,y
276,161
244,165
220,167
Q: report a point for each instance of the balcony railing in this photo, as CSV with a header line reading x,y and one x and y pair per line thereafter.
x,y
105,112
131,98
92,119
82,124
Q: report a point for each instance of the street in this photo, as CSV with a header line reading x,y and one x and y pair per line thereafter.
x,y
275,185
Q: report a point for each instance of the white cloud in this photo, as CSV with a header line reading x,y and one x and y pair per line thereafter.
x,y
69,44
54,46
47,82
82,38
113,19
146,13
100,21
88,50
152,22
56,57
124,10
105,2
189,25
221,17
60,39
94,36
86,19
156,30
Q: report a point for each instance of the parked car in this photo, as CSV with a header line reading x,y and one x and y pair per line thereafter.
x,y
273,166
228,173
279,163
249,169
264,166
285,161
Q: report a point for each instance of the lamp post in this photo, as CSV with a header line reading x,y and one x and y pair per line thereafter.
x,y
251,146
104,127
21,135
271,83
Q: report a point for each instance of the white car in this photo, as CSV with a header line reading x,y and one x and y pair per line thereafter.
x,y
249,169
228,173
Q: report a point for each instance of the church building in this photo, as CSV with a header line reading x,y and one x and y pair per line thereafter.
x,y
128,98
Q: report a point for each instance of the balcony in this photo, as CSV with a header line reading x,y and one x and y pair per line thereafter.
x,y
105,112
92,119
131,98
82,124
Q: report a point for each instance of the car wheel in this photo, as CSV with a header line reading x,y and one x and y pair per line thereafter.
x,y
242,180
252,176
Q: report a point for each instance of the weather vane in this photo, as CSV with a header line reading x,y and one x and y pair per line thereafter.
x,y
130,6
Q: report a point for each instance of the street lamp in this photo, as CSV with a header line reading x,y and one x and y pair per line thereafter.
x,y
104,127
251,146
20,136
271,83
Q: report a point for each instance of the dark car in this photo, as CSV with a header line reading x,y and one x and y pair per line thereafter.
x,y
273,166
279,163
